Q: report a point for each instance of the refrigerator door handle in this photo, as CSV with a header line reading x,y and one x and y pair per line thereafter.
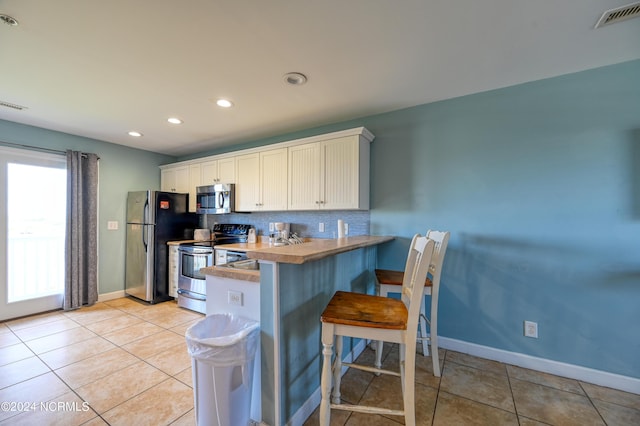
x,y
145,229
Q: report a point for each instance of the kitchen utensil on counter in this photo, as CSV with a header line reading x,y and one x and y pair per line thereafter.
x,y
251,238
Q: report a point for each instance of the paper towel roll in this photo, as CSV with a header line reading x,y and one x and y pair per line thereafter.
x,y
340,228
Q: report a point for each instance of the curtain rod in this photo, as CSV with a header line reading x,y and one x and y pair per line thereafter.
x,y
37,148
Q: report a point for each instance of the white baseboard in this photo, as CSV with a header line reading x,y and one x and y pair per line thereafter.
x,y
110,296
571,371
312,403
589,375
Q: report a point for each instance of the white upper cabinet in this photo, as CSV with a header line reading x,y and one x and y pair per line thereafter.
x,y
219,171
331,174
175,179
261,181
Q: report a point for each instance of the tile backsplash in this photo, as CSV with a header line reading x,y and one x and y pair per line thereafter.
x,y
305,224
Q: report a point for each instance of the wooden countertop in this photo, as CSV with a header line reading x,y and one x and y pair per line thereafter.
x,y
179,242
236,274
314,249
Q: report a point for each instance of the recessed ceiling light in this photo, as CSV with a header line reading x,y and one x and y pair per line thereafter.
x,y
224,103
174,120
295,78
135,134
9,20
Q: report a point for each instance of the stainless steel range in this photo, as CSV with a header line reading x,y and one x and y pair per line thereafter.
x,y
192,288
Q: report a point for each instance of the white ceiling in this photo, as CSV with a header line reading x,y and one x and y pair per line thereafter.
x,y
100,68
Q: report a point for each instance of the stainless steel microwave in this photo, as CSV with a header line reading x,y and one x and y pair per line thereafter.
x,y
215,199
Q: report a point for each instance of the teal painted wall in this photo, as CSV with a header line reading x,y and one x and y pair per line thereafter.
x,y
122,170
539,185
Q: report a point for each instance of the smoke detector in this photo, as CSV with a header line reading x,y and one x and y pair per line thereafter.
x,y
619,14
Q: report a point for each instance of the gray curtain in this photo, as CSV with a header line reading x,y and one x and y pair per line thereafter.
x,y
81,255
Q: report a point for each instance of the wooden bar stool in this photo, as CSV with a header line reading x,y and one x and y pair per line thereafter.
x,y
378,318
391,282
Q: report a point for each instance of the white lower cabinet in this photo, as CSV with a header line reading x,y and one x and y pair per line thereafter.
x,y
173,271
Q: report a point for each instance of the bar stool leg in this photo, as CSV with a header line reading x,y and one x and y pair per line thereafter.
x,y
325,380
408,385
423,329
337,371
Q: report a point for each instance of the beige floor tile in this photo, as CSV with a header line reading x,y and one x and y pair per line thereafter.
x,y
64,410
185,376
149,346
133,333
338,418
171,361
478,385
545,379
116,388
118,322
359,419
615,414
173,319
4,328
188,419
59,340
38,389
34,320
553,406
95,367
386,392
455,410
96,421
424,366
41,330
525,421
13,353
86,316
162,404
66,355
124,302
182,328
7,338
19,371
475,362
631,400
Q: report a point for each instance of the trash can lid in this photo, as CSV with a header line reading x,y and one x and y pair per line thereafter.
x,y
221,329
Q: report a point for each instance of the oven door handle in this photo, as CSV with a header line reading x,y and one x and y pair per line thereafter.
x,y
190,295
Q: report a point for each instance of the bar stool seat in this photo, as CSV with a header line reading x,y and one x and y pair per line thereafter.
x,y
377,318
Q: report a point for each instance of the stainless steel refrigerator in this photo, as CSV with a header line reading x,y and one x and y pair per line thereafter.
x,y
153,218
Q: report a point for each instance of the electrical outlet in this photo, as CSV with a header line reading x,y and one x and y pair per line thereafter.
x,y
271,227
321,227
531,329
346,229
112,225
234,297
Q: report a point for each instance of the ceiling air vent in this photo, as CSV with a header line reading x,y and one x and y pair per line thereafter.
x,y
619,14
12,106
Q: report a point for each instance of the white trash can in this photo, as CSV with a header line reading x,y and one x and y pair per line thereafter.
x,y
223,349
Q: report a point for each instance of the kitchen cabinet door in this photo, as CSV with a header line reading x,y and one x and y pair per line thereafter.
x,y
261,181
331,175
304,177
195,180
219,171
273,179
247,182
175,179
340,183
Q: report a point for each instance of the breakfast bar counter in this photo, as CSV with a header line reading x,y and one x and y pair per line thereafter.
x,y
296,283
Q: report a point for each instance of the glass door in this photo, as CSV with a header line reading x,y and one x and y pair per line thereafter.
x,y
32,224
